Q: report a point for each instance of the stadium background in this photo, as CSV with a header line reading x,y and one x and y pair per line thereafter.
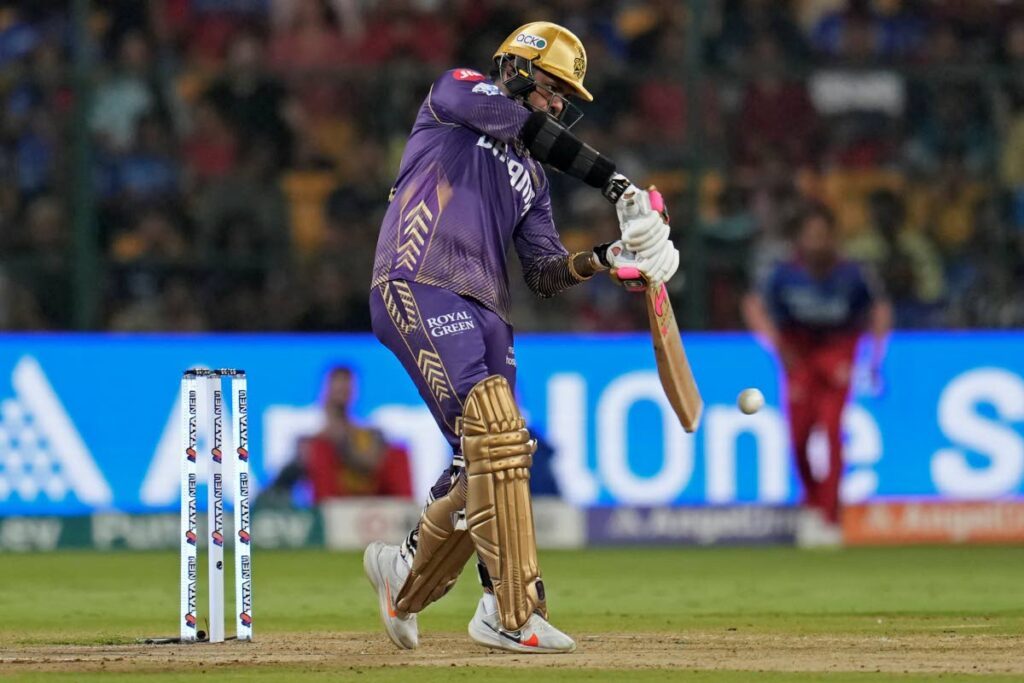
x,y
200,182
216,166
222,164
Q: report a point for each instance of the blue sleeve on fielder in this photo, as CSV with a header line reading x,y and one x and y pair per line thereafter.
x,y
770,292
869,289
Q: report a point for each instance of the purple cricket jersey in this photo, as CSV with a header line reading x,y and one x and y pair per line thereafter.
x,y
465,190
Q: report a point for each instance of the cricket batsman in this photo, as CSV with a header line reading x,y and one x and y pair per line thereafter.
x,y
471,184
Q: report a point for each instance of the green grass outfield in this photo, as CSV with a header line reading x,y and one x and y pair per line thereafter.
x,y
956,599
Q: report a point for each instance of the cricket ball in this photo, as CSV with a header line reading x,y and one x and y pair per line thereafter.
x,y
750,401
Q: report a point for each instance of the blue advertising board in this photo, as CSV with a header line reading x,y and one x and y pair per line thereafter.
x,y
89,422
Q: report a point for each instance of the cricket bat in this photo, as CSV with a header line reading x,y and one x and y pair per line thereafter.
x,y
673,367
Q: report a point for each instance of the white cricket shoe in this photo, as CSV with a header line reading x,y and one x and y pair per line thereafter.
x,y
387,571
537,636
814,531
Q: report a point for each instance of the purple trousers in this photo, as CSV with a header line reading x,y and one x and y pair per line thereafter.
x,y
447,343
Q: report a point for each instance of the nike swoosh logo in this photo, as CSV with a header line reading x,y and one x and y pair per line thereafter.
x,y
387,594
517,638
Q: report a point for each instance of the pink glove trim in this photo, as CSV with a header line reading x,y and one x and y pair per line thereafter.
x,y
628,273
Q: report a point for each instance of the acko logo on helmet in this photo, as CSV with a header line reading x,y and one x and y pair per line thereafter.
x,y
530,40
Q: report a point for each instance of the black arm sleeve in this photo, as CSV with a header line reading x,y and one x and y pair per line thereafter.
x,y
551,143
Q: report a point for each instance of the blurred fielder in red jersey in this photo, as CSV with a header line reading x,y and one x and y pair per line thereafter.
x,y
811,310
346,458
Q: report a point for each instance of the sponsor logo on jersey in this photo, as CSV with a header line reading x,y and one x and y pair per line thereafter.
x,y
488,89
530,40
812,307
518,177
467,75
450,323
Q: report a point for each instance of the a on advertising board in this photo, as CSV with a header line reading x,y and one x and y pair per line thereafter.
x,y
89,423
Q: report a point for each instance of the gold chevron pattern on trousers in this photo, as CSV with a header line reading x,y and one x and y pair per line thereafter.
x,y
406,321
404,311
432,370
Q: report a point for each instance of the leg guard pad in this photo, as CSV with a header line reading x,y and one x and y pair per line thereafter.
x,y
498,451
442,552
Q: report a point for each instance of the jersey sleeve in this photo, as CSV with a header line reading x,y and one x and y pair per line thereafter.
x,y
871,283
770,291
868,292
467,98
544,259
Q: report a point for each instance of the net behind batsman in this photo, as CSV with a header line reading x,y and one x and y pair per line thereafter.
x,y
471,185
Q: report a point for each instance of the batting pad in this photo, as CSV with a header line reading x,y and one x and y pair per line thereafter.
x,y
441,554
499,451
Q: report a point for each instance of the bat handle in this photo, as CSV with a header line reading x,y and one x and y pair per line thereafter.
x,y
657,201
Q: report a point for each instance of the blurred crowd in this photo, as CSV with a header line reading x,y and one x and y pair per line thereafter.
x,y
242,150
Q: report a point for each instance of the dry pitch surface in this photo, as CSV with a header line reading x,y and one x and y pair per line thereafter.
x,y
630,654
950,614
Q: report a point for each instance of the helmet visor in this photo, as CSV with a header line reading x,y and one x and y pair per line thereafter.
x,y
559,107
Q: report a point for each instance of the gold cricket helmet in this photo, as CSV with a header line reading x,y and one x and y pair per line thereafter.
x,y
553,48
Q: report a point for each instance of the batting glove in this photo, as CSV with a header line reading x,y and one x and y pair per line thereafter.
x,y
635,272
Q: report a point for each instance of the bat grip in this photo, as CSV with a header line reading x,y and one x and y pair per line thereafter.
x,y
630,277
657,201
